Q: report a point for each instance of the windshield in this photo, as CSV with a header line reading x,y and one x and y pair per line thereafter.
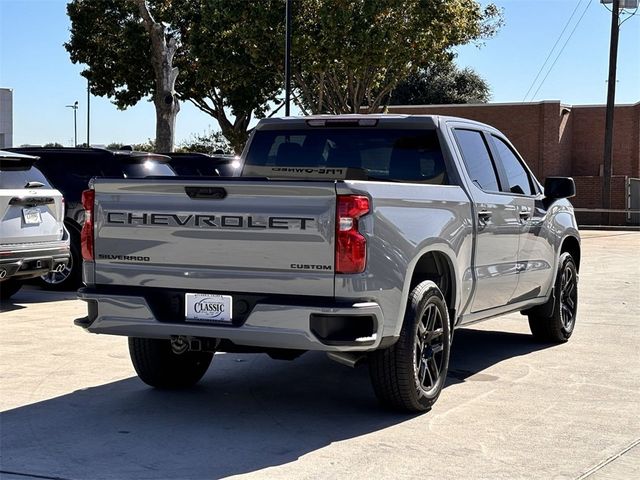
x,y
383,154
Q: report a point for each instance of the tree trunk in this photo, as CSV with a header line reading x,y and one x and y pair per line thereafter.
x,y
162,51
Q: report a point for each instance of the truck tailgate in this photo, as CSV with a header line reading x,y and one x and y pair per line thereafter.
x,y
216,235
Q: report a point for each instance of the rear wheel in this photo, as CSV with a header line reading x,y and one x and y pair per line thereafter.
x,y
558,326
410,374
159,366
8,288
70,277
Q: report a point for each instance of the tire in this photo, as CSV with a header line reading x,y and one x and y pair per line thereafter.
x,y
556,320
158,366
71,277
8,288
410,375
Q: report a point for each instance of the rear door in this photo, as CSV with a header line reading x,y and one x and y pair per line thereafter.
x,y
497,220
30,210
257,236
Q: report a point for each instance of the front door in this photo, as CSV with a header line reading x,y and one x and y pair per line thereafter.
x,y
498,224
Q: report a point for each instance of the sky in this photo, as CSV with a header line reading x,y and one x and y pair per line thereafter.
x,y
34,63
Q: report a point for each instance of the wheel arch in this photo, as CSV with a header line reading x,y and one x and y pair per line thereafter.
x,y
438,266
571,245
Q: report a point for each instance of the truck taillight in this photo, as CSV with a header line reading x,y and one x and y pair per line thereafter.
x,y
86,236
351,245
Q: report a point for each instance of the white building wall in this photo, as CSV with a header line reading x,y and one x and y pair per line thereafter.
x,y
6,117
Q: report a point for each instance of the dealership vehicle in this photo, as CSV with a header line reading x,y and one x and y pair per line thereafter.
x,y
188,164
69,170
367,236
33,240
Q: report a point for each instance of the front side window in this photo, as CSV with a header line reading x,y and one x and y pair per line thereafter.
x,y
477,159
519,181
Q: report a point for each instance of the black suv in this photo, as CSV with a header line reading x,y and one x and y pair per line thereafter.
x,y
203,165
69,170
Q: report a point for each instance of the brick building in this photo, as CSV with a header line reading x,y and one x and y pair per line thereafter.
x,y
568,140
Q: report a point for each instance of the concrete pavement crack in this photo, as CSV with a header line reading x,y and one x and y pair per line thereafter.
x,y
609,460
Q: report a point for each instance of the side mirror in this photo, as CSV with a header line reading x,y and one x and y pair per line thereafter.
x,y
556,188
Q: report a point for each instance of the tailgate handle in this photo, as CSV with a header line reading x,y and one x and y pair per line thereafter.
x,y
31,201
206,193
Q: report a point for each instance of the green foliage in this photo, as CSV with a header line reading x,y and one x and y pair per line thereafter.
x,y
208,142
115,146
230,54
108,37
233,51
148,146
352,53
441,83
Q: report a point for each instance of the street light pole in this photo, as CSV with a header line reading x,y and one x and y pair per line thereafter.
x,y
88,110
287,60
75,122
611,95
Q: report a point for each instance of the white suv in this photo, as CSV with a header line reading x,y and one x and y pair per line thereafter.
x,y
33,239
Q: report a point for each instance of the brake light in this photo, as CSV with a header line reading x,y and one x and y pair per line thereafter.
x,y
351,245
86,236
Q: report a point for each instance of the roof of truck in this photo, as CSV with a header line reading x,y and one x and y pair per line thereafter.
x,y
389,119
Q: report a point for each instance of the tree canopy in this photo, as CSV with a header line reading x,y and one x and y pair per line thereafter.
x,y
353,53
230,53
441,83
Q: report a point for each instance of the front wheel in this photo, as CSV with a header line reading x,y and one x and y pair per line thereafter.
x,y
410,374
159,366
558,326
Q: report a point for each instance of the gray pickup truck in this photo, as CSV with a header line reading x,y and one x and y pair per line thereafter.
x,y
370,237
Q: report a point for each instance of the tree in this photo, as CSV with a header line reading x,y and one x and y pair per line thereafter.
x,y
352,53
53,145
128,49
234,53
231,53
441,83
208,142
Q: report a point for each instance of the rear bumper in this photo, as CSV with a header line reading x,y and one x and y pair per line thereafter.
x,y
32,260
325,325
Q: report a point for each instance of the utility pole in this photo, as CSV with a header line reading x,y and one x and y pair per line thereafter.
x,y
75,122
287,61
88,110
611,96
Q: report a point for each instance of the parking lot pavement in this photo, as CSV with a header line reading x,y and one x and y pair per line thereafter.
x,y
73,408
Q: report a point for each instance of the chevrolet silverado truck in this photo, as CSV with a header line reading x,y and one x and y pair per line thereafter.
x,y
369,237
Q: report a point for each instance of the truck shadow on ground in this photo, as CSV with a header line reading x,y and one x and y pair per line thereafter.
x,y
249,413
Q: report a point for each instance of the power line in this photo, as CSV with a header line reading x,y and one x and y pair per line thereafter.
x,y
562,49
552,49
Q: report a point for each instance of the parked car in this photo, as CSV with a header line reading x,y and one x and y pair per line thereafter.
x,y
365,236
69,170
203,165
33,239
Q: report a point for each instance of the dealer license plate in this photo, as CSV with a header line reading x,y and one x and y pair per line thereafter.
x,y
31,216
207,307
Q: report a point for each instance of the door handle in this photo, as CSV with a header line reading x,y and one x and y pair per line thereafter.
x,y
525,213
484,216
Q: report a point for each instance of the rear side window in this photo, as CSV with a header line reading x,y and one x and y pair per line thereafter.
x,y
477,159
519,181
148,168
71,174
382,154
16,179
